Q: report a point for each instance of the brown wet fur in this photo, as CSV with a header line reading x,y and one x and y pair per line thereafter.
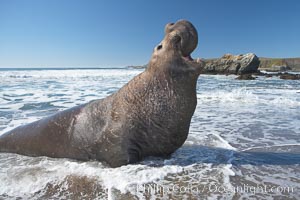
x,y
149,116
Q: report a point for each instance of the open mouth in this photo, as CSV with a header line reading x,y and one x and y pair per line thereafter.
x,y
190,59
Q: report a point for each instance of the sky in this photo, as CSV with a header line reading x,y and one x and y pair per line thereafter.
x,y
110,33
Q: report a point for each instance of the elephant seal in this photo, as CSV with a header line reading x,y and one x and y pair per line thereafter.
x,y
149,116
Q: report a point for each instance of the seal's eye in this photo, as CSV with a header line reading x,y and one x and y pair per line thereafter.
x,y
159,47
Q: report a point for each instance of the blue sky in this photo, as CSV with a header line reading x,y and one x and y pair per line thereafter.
x,y
110,33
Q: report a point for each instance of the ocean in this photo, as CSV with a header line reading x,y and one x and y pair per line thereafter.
x,y
244,140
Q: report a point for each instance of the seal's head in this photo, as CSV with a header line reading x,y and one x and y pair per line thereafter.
x,y
174,51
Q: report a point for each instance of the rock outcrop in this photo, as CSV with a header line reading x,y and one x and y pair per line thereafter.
x,y
245,77
233,64
290,76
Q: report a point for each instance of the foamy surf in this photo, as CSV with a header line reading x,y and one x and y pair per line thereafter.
x,y
243,134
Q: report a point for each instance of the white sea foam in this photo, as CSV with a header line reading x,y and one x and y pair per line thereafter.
x,y
237,95
244,95
30,175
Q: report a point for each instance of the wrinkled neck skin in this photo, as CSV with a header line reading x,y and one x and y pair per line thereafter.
x,y
174,68
172,75
167,88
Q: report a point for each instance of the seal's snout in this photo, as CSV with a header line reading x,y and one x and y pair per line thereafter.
x,y
185,33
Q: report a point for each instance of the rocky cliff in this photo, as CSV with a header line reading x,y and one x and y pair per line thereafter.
x,y
279,64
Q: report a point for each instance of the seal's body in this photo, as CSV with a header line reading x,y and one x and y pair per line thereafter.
x,y
149,116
